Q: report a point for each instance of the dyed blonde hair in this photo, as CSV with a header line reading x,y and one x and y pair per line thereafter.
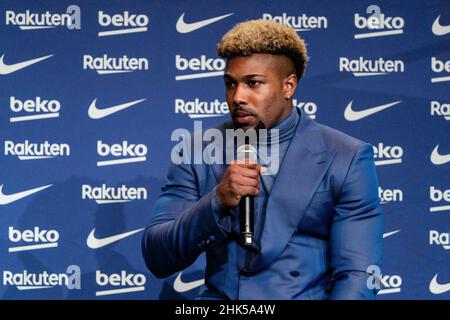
x,y
264,36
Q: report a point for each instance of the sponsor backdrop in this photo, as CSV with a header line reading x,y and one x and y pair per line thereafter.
x,y
92,90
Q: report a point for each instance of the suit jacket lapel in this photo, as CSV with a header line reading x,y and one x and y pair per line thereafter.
x,y
305,163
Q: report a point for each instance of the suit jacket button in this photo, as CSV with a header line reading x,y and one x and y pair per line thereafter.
x,y
294,273
212,238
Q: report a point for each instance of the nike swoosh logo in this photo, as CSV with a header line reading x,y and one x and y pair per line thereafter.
x,y
181,286
437,158
439,29
388,234
94,243
183,27
438,288
7,199
7,69
95,113
352,115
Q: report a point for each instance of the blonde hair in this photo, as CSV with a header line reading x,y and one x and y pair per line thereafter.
x,y
264,36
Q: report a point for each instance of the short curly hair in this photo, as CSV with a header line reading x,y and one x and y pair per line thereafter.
x,y
264,36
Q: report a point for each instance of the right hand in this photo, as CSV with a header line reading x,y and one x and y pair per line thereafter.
x,y
240,179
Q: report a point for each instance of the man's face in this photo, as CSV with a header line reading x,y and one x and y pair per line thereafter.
x,y
257,87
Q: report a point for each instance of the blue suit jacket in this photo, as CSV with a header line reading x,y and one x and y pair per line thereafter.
x,y
323,225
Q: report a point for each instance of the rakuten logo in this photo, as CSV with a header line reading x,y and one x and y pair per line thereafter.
x,y
437,195
310,108
128,153
34,151
197,109
106,195
126,22
439,66
440,239
127,282
390,195
204,67
386,155
384,25
299,23
32,21
35,239
109,65
44,280
36,109
363,68
440,109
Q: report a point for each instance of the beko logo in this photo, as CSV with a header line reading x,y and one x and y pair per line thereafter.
x,y
34,238
390,284
386,155
122,282
439,66
32,21
125,152
310,108
10,68
299,23
390,195
437,195
378,25
126,23
106,195
354,115
12,197
204,67
109,65
34,151
362,68
438,158
440,239
184,27
44,280
201,109
438,29
36,109
440,109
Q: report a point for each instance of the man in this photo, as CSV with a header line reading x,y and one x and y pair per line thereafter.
x,y
318,222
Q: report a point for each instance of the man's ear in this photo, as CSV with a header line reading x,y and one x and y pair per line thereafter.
x,y
290,84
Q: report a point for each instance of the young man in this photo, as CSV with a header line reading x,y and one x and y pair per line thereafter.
x,y
318,222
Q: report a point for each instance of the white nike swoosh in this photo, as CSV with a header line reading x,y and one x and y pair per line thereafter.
x,y
437,158
181,286
95,113
7,69
439,29
437,288
183,27
6,199
388,234
352,115
94,243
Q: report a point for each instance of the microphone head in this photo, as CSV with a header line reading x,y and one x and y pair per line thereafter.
x,y
247,152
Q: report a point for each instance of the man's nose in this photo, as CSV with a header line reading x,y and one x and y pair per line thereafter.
x,y
240,95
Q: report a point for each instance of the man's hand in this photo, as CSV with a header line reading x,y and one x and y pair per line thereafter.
x,y
240,179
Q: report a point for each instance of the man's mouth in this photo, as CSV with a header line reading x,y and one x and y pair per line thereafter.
x,y
243,117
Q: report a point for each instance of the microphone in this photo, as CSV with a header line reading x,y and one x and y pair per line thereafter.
x,y
247,203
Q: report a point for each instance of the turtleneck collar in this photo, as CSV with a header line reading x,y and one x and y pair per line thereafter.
x,y
286,127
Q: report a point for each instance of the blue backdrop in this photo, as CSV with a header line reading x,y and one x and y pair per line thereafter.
x,y
61,238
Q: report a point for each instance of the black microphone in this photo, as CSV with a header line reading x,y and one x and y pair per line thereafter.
x,y
247,203
248,152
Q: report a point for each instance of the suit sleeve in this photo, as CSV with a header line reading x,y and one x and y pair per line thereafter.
x,y
184,224
356,237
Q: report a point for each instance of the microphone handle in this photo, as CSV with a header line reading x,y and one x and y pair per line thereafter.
x,y
246,223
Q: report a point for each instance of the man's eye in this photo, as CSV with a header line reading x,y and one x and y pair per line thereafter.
x,y
229,84
254,83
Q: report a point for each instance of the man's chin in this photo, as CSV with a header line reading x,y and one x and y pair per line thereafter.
x,y
244,125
